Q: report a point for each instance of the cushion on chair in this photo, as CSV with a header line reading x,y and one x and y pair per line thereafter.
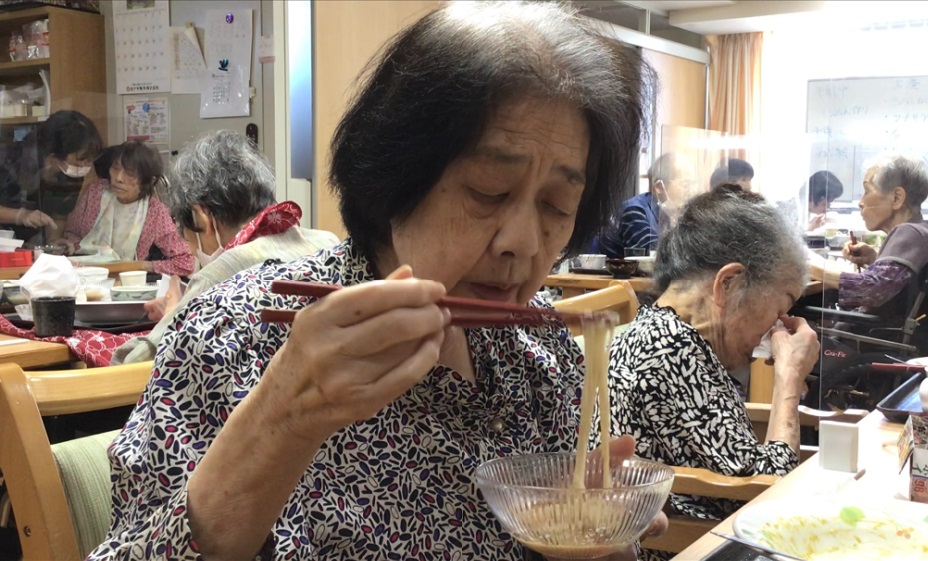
x,y
85,473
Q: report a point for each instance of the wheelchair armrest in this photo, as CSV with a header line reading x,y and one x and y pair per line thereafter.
x,y
814,312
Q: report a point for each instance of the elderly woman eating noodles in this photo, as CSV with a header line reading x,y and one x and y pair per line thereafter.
x,y
727,273
485,143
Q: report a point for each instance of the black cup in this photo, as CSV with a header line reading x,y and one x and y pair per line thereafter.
x,y
53,315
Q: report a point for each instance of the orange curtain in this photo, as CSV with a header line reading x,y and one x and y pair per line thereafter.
x,y
734,83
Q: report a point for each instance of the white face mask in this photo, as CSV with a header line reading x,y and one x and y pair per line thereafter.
x,y
74,171
202,257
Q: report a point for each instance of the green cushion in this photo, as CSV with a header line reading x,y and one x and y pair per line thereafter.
x,y
85,472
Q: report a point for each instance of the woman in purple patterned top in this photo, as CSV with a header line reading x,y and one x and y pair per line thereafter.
x,y
894,190
488,141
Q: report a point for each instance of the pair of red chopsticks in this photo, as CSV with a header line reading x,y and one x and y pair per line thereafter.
x,y
465,312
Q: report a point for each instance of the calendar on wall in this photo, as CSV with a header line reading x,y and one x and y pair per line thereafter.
x,y
229,39
142,35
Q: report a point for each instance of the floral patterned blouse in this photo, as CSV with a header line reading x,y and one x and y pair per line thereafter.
x,y
397,486
674,396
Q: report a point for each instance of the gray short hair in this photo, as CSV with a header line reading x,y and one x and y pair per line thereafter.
x,y
663,168
223,172
907,172
730,225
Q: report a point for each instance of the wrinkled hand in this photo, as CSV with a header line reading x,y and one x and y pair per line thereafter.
x,y
621,449
36,219
164,305
795,348
859,253
353,352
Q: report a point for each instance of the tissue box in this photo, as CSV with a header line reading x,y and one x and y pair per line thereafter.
x,y
913,443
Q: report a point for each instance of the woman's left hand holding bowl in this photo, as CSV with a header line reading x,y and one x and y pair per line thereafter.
x,y
347,357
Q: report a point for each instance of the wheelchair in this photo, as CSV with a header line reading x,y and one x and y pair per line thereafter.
x,y
854,345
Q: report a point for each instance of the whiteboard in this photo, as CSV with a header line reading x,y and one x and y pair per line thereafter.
x,y
853,120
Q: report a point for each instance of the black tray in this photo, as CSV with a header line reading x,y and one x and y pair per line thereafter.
x,y
733,551
106,327
591,271
904,401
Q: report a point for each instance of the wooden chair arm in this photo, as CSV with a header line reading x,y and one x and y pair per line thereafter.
x,y
702,482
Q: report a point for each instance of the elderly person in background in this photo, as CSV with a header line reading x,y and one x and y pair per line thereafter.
x,y
727,272
639,222
56,160
118,218
824,188
894,190
222,196
474,156
735,171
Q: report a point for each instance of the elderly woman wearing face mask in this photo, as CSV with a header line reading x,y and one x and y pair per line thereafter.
x,y
894,190
474,156
118,219
727,272
222,196
55,161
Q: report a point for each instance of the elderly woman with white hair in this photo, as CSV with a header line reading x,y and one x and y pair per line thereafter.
x,y
894,189
728,271
222,196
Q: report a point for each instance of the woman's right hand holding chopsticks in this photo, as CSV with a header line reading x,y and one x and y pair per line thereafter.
x,y
859,253
347,357
353,352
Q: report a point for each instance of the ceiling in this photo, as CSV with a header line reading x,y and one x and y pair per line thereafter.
x,y
732,16
666,7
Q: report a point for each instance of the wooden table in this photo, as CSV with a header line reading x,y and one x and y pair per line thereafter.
x,y
575,284
13,273
33,354
881,480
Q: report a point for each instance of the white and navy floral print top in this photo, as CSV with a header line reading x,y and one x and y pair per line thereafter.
x,y
397,486
674,396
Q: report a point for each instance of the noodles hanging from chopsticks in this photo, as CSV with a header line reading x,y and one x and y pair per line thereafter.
x,y
597,336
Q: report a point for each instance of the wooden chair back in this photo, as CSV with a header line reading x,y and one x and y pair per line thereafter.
x,y
618,297
43,516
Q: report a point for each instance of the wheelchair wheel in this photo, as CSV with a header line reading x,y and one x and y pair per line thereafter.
x,y
854,384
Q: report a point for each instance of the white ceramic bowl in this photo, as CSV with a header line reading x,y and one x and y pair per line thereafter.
x,y
142,293
645,264
133,278
592,261
92,274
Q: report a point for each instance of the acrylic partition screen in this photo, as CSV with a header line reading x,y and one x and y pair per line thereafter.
x,y
855,125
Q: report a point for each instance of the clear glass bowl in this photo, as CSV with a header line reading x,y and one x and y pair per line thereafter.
x,y
532,498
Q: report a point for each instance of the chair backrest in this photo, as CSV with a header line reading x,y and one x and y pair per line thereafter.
x,y
618,297
35,480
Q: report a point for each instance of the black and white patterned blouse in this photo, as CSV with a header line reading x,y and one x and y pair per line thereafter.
x,y
397,486
674,396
